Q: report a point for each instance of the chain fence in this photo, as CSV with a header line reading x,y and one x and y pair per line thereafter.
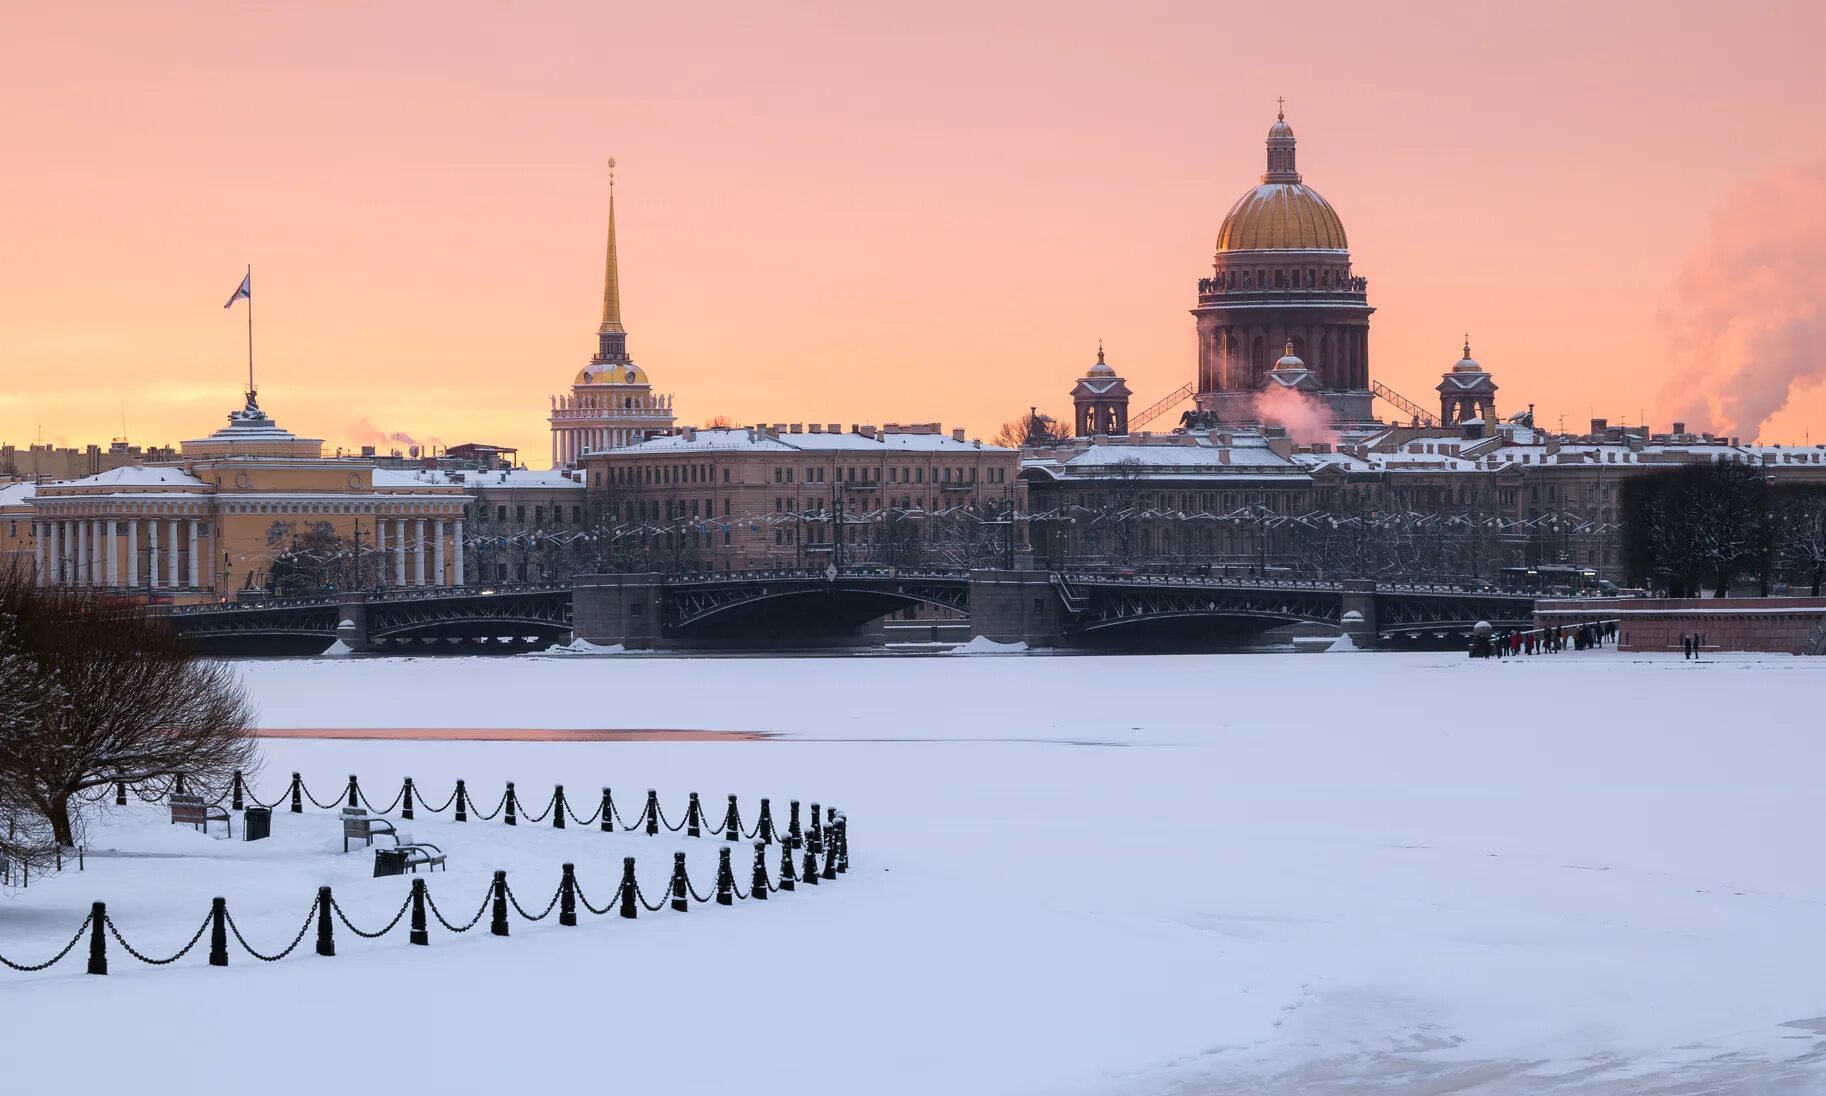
x,y
826,837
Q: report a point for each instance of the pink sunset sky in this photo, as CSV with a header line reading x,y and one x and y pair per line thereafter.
x,y
868,213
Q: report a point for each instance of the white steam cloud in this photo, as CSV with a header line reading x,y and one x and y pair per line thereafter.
x,y
1307,420
1748,318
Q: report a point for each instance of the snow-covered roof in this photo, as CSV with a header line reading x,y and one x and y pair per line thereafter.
x,y
714,439
135,475
17,494
396,478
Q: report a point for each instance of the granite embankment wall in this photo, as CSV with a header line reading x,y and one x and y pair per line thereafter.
x,y
1790,625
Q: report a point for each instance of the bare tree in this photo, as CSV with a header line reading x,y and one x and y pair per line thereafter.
x,y
1801,535
1031,431
117,696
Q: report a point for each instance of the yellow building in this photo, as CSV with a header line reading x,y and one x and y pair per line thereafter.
x,y
233,509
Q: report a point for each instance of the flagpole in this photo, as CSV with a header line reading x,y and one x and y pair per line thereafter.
x,y
250,331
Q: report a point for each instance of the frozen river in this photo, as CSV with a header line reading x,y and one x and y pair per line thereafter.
x,y
1586,873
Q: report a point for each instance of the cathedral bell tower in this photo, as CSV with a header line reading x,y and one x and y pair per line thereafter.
x,y
1101,400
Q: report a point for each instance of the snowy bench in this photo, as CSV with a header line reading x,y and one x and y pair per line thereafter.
x,y
408,857
359,823
190,810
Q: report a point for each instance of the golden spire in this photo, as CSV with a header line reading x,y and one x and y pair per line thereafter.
x,y
611,278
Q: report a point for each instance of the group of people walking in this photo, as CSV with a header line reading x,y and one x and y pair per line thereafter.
x,y
1577,637
1691,645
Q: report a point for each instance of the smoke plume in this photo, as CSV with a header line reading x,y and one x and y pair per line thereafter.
x,y
1747,321
365,432
1307,420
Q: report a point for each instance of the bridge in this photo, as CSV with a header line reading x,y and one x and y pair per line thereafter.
x,y
828,608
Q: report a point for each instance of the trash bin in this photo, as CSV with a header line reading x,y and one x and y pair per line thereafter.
x,y
389,862
256,823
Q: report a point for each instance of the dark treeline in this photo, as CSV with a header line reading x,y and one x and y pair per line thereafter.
x,y
1719,526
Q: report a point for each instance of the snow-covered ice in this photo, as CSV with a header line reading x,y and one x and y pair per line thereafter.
x,y
1580,873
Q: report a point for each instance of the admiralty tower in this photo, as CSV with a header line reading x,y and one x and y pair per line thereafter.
x,y
1282,276
611,403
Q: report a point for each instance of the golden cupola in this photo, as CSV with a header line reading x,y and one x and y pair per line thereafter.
x,y
1282,213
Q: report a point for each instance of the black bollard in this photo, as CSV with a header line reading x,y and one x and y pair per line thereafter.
x,y
567,896
725,879
693,816
732,822
792,826
558,807
766,830
608,812
218,932
843,845
355,789
98,938
681,884
652,813
757,887
510,804
830,856
462,803
630,890
120,793
499,925
419,935
786,866
326,944
235,793
809,874
297,794
814,835
405,800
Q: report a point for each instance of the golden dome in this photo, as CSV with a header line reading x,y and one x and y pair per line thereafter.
x,y
1283,213
1282,217
1467,364
616,373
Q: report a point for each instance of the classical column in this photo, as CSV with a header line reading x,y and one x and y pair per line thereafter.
x,y
152,554
399,551
113,568
437,570
380,547
456,547
193,554
418,553
37,554
554,448
171,556
84,572
133,555
55,530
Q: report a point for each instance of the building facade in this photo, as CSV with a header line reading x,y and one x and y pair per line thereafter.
x,y
611,402
235,511
792,495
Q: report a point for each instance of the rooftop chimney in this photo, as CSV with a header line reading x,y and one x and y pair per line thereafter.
x,y
1598,426
833,428
957,433
798,428
1680,428
817,428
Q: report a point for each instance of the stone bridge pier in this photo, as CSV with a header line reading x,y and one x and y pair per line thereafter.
x,y
611,609
1015,607
352,621
1357,611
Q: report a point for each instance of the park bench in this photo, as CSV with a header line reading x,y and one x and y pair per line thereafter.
x,y
191,810
359,823
409,856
